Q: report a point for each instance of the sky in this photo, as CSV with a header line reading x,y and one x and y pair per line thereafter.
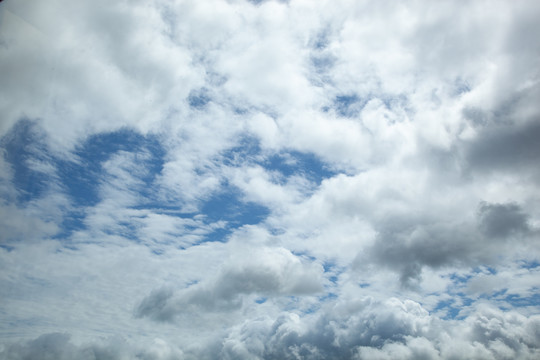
x,y
234,179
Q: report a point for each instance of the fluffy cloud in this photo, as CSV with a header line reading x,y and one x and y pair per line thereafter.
x,y
362,329
264,273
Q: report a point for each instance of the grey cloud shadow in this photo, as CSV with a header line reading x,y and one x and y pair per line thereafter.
x,y
502,220
407,245
505,148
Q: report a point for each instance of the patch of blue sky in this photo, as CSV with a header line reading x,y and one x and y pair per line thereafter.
x,y
23,146
501,298
460,278
82,178
332,271
529,264
295,163
247,151
328,266
499,293
229,206
328,296
304,255
217,235
124,230
349,105
453,307
72,221
447,306
516,300
198,99
287,163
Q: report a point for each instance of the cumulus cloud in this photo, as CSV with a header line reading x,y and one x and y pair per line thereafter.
x,y
360,329
367,329
265,272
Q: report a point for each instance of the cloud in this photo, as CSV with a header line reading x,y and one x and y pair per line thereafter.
x,y
267,272
155,305
390,330
269,179
92,74
503,148
58,346
358,329
502,220
408,244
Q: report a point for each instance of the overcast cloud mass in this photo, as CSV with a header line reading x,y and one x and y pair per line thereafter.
x,y
264,179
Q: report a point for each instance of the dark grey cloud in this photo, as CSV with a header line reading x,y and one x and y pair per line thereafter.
x,y
406,244
155,305
505,148
502,220
407,250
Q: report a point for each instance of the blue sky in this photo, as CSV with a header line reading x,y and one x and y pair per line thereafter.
x,y
269,179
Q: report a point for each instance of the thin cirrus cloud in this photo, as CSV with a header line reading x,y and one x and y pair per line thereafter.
x,y
269,179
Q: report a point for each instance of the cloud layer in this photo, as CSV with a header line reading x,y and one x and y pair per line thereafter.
x,y
269,180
